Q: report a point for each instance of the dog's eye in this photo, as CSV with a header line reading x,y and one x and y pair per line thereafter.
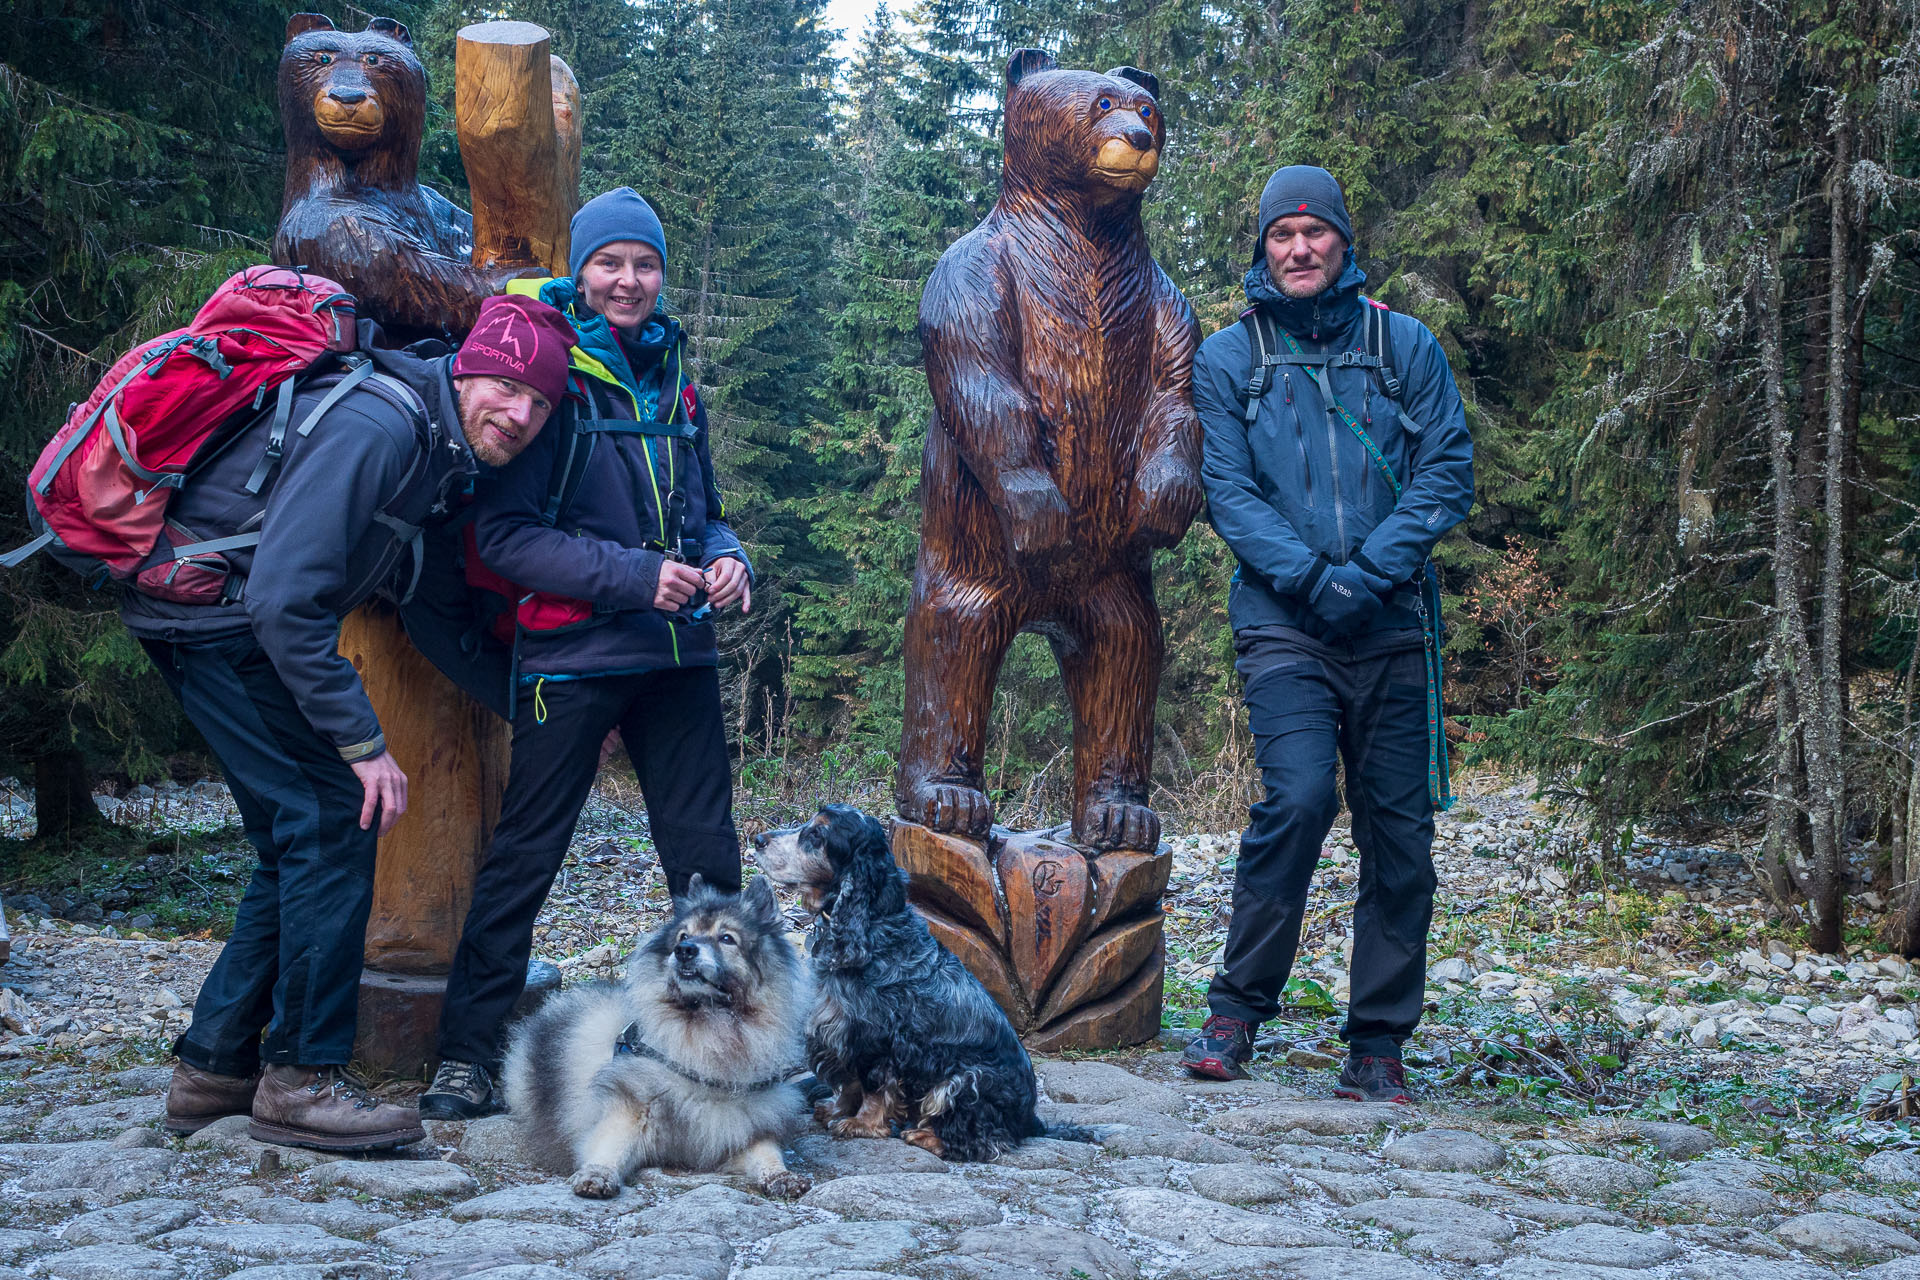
x,y
727,940
682,937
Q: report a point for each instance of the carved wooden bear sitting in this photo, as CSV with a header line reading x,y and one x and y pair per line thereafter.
x,y
354,107
1064,448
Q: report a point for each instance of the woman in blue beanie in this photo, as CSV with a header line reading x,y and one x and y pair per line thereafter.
x,y
608,548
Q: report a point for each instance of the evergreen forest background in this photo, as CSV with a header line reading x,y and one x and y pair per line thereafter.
x,y
1671,247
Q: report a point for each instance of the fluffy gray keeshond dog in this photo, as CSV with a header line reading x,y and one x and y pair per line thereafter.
x,y
682,1065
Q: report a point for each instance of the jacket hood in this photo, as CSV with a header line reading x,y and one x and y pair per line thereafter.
x,y
597,349
1329,310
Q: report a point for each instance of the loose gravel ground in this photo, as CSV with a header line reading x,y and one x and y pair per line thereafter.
x,y
1641,1078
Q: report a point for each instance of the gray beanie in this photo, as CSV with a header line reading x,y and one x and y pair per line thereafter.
x,y
620,214
1300,188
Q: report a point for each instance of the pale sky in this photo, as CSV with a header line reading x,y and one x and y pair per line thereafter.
x,y
851,17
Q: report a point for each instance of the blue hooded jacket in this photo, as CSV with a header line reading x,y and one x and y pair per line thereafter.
x,y
1296,492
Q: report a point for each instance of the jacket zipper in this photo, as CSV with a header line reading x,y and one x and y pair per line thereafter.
x,y
1299,438
1333,455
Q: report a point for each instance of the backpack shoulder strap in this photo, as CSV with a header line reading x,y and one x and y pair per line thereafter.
x,y
1379,333
1259,361
569,466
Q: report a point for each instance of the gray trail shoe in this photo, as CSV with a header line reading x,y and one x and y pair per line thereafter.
x,y
460,1091
327,1109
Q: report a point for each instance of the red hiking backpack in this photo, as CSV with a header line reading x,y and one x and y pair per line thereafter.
x,y
100,490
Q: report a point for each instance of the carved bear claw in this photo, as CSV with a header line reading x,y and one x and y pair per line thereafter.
x,y
1115,824
1170,497
949,807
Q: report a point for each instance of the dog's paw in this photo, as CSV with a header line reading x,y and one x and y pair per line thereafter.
x,y
855,1127
595,1182
926,1140
787,1185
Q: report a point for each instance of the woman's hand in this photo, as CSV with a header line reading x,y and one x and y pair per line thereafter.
x,y
727,581
678,582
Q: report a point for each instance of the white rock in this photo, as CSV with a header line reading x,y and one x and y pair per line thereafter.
x,y
396,1178
914,1197
1195,1224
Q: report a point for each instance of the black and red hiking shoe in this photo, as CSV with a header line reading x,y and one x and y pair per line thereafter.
x,y
1373,1079
1221,1050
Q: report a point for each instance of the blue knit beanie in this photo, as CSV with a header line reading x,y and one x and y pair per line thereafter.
x,y
1299,188
620,214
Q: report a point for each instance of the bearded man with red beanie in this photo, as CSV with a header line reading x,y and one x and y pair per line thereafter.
x,y
348,488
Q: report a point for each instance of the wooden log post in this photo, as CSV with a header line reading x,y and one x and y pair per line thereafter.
x,y
523,170
517,113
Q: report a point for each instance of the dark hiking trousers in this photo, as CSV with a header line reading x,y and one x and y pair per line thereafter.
x,y
1306,700
292,966
671,724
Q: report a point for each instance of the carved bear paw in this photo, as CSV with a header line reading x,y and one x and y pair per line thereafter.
x,y
595,1182
1114,824
949,807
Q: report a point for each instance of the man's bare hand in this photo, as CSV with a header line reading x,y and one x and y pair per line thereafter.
x,y
609,745
678,582
728,581
386,790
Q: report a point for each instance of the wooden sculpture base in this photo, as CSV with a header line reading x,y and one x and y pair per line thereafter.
x,y
399,1019
1068,942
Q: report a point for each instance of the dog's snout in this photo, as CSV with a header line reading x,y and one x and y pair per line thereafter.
x,y
1140,138
760,841
687,952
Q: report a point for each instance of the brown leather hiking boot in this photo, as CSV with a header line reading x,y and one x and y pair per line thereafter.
x,y
328,1110
196,1098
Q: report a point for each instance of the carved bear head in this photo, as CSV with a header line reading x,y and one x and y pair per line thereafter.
x,y
355,94
1080,131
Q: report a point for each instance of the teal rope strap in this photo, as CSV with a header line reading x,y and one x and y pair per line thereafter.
x,y
1439,774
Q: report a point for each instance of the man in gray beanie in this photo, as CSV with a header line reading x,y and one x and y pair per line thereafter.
x,y
1336,455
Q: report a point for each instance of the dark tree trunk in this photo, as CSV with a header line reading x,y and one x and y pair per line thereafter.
x,y
62,793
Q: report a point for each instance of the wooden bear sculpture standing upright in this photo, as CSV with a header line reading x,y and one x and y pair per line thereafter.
x,y
1063,450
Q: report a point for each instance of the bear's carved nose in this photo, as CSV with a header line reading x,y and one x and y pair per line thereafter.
x,y
1142,139
348,95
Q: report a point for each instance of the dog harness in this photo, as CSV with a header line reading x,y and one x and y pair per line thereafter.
x,y
630,1042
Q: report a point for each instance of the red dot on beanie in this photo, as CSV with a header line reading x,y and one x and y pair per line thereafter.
x,y
520,338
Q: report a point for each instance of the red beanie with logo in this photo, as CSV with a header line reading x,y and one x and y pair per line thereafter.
x,y
520,338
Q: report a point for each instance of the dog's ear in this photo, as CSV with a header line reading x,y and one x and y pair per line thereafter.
x,y
758,902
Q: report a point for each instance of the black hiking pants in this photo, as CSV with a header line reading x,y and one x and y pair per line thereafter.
x,y
671,724
1306,701
292,966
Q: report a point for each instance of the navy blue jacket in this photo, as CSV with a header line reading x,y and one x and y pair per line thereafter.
x,y
1297,492
607,545
322,553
